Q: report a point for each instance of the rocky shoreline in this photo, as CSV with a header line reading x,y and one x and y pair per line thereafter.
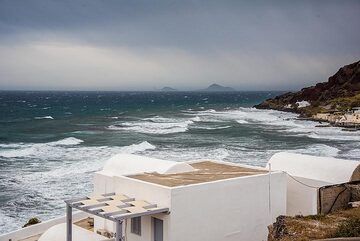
x,y
347,120
336,102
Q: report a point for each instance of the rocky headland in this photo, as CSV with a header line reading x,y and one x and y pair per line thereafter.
x,y
336,101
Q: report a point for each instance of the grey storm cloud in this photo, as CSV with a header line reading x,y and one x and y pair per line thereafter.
x,y
124,45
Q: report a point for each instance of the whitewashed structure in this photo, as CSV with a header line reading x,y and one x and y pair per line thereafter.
x,y
306,174
146,199
192,201
213,207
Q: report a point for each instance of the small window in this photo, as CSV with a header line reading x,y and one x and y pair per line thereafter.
x,y
136,225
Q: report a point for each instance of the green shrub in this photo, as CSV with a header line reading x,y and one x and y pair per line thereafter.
x,y
32,221
348,228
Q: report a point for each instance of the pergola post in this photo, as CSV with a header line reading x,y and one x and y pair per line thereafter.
x,y
68,222
119,231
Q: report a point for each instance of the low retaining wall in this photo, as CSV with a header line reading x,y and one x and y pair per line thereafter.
x,y
335,197
39,228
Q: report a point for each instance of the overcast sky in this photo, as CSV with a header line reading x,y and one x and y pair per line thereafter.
x,y
144,45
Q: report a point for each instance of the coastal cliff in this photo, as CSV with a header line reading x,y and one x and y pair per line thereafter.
x,y
340,94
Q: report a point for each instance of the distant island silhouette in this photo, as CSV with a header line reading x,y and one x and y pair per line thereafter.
x,y
216,87
211,88
167,88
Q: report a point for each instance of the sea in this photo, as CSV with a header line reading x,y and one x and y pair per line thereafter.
x,y
52,143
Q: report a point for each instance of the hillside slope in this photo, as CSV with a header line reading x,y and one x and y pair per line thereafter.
x,y
341,92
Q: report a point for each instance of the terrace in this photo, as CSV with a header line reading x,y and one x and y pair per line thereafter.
x,y
204,171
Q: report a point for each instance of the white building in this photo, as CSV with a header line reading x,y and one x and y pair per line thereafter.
x,y
145,199
159,200
307,174
207,200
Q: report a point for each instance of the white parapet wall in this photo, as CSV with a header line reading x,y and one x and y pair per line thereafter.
x,y
306,174
40,228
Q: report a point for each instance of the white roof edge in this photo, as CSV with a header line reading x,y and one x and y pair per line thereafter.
x,y
129,164
327,169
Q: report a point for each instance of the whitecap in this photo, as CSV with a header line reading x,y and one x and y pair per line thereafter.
x,y
154,125
318,150
242,121
69,141
44,117
214,128
17,152
143,146
189,154
353,154
283,121
196,119
34,149
334,136
68,149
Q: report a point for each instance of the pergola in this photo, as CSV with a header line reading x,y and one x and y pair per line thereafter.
x,y
110,206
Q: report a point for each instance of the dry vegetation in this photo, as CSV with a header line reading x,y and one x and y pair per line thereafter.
x,y
344,223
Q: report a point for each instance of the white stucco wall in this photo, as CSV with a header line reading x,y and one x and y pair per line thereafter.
x,y
228,210
308,173
326,169
302,199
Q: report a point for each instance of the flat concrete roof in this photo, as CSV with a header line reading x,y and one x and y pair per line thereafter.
x,y
206,171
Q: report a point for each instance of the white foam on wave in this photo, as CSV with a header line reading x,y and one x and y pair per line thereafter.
x,y
64,149
143,146
318,150
189,154
31,149
343,136
7,222
155,125
70,141
353,154
44,117
246,115
79,160
213,128
196,119
55,166
282,121
242,121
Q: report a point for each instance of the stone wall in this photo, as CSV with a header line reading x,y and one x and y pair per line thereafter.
x,y
335,197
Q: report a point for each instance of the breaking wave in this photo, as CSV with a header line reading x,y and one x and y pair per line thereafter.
x,y
214,128
70,141
67,149
242,121
44,117
318,150
57,166
155,125
284,122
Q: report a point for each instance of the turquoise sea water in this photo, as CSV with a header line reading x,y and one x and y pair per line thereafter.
x,y
51,143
